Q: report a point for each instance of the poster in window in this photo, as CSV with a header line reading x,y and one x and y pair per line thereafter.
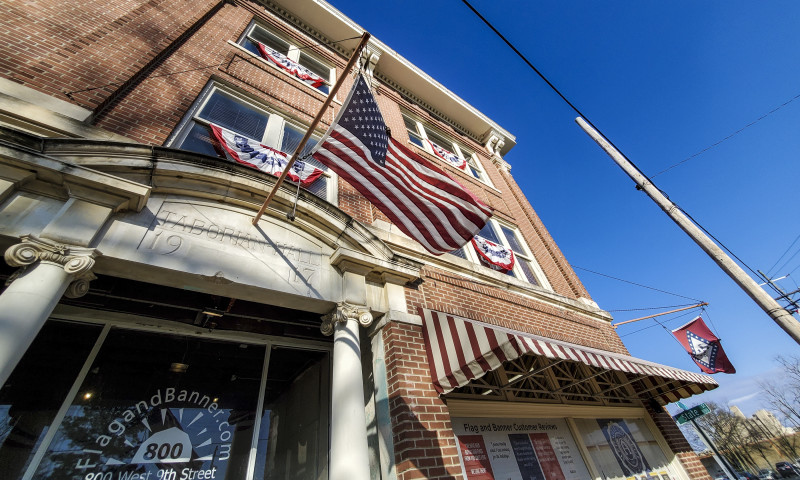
x,y
623,446
475,457
529,449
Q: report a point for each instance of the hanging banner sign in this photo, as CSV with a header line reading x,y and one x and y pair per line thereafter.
x,y
529,449
294,68
497,255
253,154
448,156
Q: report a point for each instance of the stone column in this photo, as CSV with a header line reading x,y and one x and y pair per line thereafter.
x,y
48,271
349,452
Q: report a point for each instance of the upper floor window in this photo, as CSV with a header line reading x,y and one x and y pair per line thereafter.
x,y
525,266
222,107
439,145
288,56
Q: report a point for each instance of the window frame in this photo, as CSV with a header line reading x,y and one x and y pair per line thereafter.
x,y
273,132
475,168
294,53
524,256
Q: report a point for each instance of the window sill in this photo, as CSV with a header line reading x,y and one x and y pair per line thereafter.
x,y
275,67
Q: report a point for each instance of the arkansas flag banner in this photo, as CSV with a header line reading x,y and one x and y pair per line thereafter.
x,y
497,255
290,66
704,347
251,153
418,197
448,156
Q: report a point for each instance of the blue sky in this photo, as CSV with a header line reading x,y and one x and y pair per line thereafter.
x,y
662,80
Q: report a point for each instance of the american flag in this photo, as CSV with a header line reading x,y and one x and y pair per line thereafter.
x,y
418,197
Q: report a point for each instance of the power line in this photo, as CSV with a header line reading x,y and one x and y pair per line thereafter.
x,y
731,135
657,323
634,283
588,121
651,308
784,254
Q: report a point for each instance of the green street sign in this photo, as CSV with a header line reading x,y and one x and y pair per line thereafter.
x,y
692,413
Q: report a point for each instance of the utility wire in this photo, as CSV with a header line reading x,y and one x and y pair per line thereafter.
x,y
783,255
637,284
651,308
169,74
586,118
657,324
762,117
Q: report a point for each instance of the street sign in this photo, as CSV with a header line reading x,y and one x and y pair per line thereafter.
x,y
692,413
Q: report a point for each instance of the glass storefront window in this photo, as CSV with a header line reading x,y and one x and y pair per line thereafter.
x,y
293,438
161,407
517,449
36,389
623,449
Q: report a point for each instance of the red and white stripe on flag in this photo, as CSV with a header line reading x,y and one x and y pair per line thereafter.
x,y
448,156
497,255
290,66
460,350
253,154
418,196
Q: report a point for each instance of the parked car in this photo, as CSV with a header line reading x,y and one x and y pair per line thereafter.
x,y
746,476
765,474
785,469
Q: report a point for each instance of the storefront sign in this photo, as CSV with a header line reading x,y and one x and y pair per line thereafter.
x,y
530,449
173,434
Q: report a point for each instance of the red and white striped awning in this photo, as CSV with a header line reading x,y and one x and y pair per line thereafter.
x,y
461,350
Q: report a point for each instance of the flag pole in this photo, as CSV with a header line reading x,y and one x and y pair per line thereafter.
x,y
783,318
702,304
314,123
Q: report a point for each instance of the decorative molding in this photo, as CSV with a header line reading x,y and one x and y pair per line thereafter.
x,y
76,261
368,59
312,32
342,313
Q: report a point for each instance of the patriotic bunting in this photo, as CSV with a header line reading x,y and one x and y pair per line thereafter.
x,y
448,156
418,197
251,153
704,347
290,66
497,255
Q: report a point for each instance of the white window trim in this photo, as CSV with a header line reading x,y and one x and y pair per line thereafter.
x,y
293,54
526,255
422,131
273,133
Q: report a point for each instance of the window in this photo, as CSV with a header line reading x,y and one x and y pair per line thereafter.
x,y
224,108
257,33
525,266
418,133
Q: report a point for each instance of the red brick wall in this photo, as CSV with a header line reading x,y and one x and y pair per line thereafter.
x,y
678,443
424,443
451,293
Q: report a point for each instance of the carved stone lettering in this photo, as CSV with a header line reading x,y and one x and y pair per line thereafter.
x,y
208,238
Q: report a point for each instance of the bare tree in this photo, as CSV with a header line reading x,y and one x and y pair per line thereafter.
x,y
784,395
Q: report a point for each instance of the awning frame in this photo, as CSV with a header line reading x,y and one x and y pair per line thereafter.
x,y
517,366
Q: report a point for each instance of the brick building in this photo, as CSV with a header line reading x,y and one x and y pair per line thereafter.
x,y
148,330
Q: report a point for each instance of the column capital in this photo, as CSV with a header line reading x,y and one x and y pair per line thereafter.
x,y
342,313
76,261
